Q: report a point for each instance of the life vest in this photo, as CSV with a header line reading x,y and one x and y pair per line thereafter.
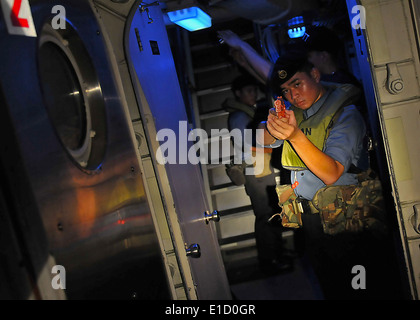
x,y
317,127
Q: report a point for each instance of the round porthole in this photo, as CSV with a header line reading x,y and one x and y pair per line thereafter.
x,y
72,95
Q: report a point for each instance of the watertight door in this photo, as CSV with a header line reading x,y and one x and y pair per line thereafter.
x,y
73,196
386,34
152,67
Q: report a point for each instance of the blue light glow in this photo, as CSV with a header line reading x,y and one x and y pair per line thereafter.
x,y
297,27
296,32
191,19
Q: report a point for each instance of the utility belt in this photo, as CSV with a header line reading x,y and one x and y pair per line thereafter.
x,y
349,208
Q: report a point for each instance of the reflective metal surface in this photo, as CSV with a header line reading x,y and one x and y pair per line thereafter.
x,y
80,158
73,96
152,66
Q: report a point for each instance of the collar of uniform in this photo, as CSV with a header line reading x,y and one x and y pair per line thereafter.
x,y
316,106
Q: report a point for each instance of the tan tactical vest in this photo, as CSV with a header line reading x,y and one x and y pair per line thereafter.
x,y
317,127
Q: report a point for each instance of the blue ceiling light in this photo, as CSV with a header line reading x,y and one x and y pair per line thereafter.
x,y
191,19
297,27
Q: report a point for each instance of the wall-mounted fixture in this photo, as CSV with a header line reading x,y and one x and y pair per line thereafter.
x,y
192,18
394,81
297,27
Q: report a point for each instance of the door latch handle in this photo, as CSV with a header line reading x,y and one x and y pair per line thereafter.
x,y
213,216
193,250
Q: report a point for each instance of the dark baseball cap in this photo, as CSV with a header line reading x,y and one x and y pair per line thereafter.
x,y
287,66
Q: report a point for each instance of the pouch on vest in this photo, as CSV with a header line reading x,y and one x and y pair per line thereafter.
x,y
291,213
353,208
